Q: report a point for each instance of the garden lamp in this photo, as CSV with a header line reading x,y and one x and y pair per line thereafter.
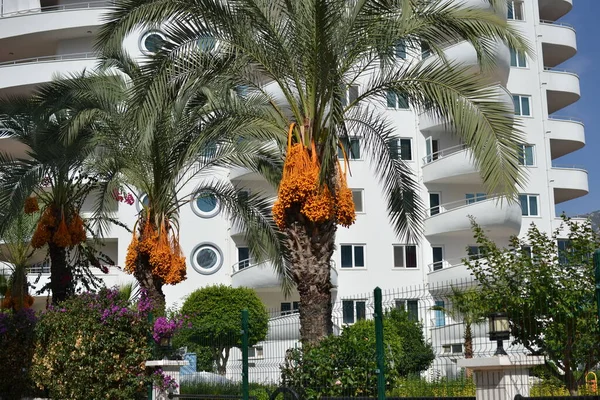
x,y
499,331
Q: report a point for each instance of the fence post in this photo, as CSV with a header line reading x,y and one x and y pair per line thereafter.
x,y
379,345
245,389
597,274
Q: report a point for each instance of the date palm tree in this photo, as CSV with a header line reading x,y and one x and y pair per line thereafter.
x,y
175,156
301,57
50,176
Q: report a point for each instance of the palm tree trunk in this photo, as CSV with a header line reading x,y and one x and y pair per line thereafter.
x,y
153,285
468,346
61,277
311,248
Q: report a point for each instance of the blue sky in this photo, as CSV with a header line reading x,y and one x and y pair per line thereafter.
x,y
584,17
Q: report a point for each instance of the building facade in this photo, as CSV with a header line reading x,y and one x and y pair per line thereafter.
x,y
39,39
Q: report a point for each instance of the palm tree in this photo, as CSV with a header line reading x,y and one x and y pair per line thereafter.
x,y
52,178
17,251
187,138
301,57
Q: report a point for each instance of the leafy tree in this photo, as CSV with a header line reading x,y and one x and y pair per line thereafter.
x,y
297,61
466,306
345,365
51,177
216,319
547,290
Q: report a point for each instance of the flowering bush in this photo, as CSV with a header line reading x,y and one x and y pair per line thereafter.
x,y
165,328
16,342
163,382
91,336
123,197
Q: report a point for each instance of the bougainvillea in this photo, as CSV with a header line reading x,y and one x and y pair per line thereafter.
x,y
300,191
88,336
165,328
122,197
162,381
160,248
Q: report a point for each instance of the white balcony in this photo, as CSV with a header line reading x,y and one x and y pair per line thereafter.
x,y
34,71
562,88
285,327
453,333
448,273
54,20
569,182
566,135
452,165
551,10
430,123
559,42
496,215
262,275
464,54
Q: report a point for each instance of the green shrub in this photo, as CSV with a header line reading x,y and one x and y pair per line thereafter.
x,y
420,387
261,392
92,346
16,344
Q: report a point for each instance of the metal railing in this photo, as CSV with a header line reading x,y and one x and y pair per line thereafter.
x,y
454,205
560,71
564,118
40,268
55,8
438,155
547,22
246,264
569,166
57,57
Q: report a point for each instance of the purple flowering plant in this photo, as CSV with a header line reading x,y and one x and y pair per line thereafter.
x,y
165,328
162,381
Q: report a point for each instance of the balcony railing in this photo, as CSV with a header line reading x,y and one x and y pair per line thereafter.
x,y
546,22
569,166
58,57
564,118
453,205
58,7
443,153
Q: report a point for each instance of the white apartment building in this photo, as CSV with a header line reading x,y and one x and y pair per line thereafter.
x,y
39,38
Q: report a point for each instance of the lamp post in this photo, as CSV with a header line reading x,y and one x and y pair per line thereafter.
x,y
499,331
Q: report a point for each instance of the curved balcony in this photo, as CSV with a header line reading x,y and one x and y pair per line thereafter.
x,y
42,20
569,182
33,71
551,10
430,123
448,273
262,275
495,214
559,42
285,327
562,88
451,165
566,135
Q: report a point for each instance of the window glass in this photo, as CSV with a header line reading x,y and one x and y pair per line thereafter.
x,y
359,256
348,311
357,197
346,256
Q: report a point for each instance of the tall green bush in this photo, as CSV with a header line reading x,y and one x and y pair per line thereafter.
x,y
92,346
215,314
345,365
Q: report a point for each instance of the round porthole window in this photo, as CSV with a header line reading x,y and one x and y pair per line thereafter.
x,y
152,42
207,259
205,205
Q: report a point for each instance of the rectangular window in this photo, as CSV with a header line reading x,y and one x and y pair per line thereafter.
x,y
401,149
475,197
351,147
434,203
350,95
438,257
452,348
353,310
405,256
515,10
518,59
526,156
353,256
425,50
400,50
289,307
396,100
522,105
439,315
529,205
411,306
564,248
357,197
475,252
243,257
255,352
